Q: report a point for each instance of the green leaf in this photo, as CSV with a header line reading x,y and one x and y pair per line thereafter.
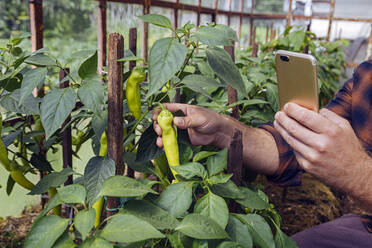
x,y
92,95
10,102
176,198
283,241
130,159
185,150
214,207
40,162
84,221
151,213
88,68
96,242
227,32
31,79
174,240
202,155
272,96
53,202
40,60
205,69
45,232
122,186
157,20
128,229
220,178
64,241
147,148
190,170
225,69
55,108
167,56
9,185
260,230
53,179
239,232
212,36
228,190
96,172
201,227
217,163
229,244
200,81
252,200
297,39
73,193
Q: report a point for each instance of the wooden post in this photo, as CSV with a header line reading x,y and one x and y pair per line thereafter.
x,y
66,140
251,25
331,13
254,50
267,33
102,35
133,45
239,31
235,164
232,93
198,14
145,36
229,13
289,15
214,15
175,16
36,24
115,109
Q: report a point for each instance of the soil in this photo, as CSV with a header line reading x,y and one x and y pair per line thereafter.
x,y
310,204
300,207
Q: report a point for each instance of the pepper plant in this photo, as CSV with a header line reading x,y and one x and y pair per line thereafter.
x,y
153,212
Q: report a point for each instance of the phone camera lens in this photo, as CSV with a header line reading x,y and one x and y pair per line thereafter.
x,y
284,58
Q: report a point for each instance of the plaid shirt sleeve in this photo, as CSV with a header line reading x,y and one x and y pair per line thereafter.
x,y
289,172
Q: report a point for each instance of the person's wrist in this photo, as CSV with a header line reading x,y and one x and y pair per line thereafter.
x,y
224,132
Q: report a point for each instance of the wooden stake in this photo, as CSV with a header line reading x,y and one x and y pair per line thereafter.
x,y
115,109
198,13
235,164
175,16
133,46
145,36
36,24
332,11
289,15
229,13
66,139
102,35
251,25
214,14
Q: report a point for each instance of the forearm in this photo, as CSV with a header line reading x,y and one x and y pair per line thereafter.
x,y
260,152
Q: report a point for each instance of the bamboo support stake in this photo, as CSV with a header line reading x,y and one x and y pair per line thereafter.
x,y
102,35
145,36
66,141
332,11
198,13
115,109
289,15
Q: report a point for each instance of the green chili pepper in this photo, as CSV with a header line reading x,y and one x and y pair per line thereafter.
x,y
137,76
56,210
170,143
19,178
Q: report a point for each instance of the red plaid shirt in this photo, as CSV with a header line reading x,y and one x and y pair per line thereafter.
x,y
352,102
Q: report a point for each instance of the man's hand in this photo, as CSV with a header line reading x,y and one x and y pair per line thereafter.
x,y
325,145
205,127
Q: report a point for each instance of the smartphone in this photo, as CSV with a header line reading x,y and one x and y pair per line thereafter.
x,y
297,79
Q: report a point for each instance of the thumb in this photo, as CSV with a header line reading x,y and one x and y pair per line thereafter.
x,y
183,122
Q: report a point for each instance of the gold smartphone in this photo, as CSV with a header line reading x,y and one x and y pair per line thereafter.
x,y
297,79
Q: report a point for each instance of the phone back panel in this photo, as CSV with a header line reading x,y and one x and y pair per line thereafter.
x,y
297,79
